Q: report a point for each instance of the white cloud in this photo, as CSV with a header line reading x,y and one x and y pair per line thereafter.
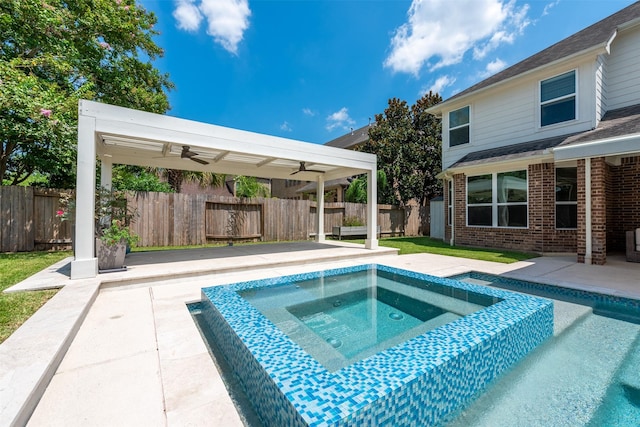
x,y
549,6
308,112
495,66
439,32
188,15
339,119
440,83
227,20
286,127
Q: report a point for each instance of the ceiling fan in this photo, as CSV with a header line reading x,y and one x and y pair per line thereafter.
x,y
188,154
303,168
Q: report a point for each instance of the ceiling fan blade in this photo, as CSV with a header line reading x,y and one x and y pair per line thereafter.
x,y
197,160
295,172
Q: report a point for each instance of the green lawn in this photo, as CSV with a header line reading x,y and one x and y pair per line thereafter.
x,y
16,308
418,245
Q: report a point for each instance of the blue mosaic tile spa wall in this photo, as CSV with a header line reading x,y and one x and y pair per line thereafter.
x,y
421,382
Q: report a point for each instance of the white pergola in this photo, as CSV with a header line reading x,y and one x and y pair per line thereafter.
x,y
117,135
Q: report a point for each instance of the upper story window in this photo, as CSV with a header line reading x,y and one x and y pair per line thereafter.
x,y
459,127
558,99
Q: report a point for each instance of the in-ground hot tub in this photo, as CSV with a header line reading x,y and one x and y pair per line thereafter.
x,y
369,344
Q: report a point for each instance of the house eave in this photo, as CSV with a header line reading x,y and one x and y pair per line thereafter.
x,y
595,50
497,165
617,146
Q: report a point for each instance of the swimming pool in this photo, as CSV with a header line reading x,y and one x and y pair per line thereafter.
x,y
586,375
419,381
343,318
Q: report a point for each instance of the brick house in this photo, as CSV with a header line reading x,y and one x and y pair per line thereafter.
x,y
544,156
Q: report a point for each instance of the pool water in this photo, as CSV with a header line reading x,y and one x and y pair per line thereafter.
x,y
354,322
588,374
346,317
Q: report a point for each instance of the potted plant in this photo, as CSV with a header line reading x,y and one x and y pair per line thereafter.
x,y
113,235
352,226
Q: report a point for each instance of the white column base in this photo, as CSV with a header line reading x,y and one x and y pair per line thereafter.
x,y
371,243
84,268
320,237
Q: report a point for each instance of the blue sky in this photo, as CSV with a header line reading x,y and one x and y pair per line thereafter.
x,y
311,70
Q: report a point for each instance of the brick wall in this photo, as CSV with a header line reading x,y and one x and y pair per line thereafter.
x,y
599,179
615,208
541,235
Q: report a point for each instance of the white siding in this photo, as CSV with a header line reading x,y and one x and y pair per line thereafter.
x,y
511,115
623,71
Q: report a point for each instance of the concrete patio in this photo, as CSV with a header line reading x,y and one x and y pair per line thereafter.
x,y
123,349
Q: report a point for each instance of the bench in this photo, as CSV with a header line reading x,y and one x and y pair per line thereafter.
x,y
360,230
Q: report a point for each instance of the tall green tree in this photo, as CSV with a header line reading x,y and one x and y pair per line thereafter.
x,y
55,52
408,144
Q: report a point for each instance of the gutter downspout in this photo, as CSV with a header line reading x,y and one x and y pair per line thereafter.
x,y
453,210
587,211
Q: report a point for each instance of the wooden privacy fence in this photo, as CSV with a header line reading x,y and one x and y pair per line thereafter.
x,y
29,219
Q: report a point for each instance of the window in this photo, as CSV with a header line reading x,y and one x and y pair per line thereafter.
x,y
479,200
567,198
459,127
558,99
512,199
497,200
450,203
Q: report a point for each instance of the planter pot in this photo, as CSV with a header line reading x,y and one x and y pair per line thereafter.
x,y
359,230
111,257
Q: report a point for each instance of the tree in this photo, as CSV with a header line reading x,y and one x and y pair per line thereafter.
x,y
407,143
55,52
136,178
248,186
357,190
175,178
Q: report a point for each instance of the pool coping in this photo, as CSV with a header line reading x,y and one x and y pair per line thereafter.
x,y
321,397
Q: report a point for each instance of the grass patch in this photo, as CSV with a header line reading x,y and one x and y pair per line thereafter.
x,y
16,308
427,245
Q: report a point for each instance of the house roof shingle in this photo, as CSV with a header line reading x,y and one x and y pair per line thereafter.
x,y
351,139
595,35
615,123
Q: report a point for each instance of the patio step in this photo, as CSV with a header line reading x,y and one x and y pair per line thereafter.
x,y
163,266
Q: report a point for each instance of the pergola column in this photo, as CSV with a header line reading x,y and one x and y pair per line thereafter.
x,y
106,173
320,237
85,264
372,210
